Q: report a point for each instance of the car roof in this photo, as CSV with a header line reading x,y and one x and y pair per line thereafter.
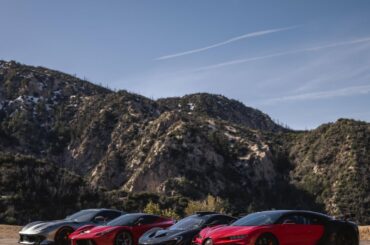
x,y
102,209
142,214
208,215
282,212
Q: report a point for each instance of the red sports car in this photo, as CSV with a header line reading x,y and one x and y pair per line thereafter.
x,y
124,230
282,227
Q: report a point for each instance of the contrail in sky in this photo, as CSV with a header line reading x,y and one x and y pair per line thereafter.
x,y
311,49
231,40
348,91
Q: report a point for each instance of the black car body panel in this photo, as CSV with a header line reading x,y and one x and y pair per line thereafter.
x,y
184,235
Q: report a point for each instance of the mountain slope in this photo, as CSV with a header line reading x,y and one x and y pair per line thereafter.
x,y
333,164
220,107
32,189
124,147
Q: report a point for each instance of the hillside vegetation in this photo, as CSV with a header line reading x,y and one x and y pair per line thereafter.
x,y
70,144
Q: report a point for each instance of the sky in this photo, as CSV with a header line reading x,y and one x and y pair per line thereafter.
x,y
302,62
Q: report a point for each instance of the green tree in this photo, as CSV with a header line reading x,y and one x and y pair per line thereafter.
x,y
211,203
154,208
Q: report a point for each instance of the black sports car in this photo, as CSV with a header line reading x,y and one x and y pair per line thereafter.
x,y
184,230
293,227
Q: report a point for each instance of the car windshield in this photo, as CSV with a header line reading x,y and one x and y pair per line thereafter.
x,y
256,219
125,220
191,222
82,216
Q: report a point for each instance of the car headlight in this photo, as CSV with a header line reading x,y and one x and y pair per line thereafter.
x,y
104,232
237,237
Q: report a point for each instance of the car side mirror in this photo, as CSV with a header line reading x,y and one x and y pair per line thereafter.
x,y
99,219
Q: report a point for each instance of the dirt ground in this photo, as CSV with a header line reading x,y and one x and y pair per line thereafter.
x,y
365,232
9,235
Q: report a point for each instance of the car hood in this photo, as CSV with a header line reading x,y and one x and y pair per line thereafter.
x,y
45,226
223,231
160,235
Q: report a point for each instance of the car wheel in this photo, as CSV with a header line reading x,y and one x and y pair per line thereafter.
x,y
62,237
345,238
123,238
208,241
266,239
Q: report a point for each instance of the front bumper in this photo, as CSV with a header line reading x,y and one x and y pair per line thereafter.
x,y
200,241
170,242
34,240
83,242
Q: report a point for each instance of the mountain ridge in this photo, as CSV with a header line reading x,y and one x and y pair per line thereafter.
x,y
182,148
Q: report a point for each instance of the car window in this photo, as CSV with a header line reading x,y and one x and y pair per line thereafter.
x,y
149,219
109,215
228,219
259,218
82,216
315,220
296,219
125,220
220,220
188,223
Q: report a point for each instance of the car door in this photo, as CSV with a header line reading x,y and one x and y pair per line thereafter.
x,y
293,230
315,228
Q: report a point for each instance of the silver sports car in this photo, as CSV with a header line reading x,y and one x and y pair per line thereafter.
x,y
57,231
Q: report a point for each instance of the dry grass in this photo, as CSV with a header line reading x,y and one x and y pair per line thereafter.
x,y
365,233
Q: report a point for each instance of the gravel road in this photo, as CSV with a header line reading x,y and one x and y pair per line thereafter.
x,y
14,242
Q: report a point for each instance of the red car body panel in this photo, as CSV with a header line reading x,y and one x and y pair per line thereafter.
x,y
287,234
103,235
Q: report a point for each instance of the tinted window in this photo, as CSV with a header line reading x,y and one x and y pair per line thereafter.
x,y
220,220
227,219
149,219
109,215
82,216
255,219
188,223
125,220
299,219
317,220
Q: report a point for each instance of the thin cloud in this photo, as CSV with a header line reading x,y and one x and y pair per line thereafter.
x,y
348,91
311,49
231,40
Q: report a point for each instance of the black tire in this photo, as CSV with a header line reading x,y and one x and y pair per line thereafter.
x,y
123,238
266,239
61,238
345,238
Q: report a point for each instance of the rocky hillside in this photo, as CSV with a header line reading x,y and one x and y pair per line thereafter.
x,y
333,164
126,149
